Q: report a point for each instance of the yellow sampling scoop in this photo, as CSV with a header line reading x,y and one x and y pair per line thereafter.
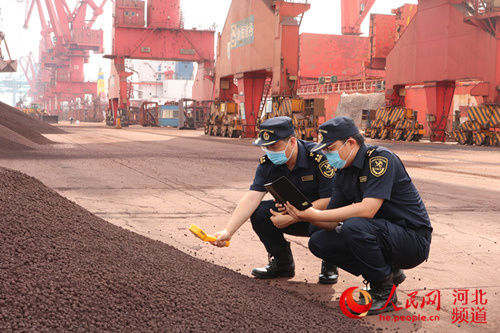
x,y
202,235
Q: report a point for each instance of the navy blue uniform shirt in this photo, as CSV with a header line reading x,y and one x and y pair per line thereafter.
x,y
312,174
376,172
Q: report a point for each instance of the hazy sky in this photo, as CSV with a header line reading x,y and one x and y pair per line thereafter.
x,y
323,17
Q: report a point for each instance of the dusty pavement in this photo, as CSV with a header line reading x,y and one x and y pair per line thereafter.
x,y
157,182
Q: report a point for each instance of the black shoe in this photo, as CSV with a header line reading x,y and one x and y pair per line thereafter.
x,y
329,273
281,265
398,276
380,293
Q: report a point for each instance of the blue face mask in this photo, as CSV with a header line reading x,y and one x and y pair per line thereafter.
x,y
335,160
278,157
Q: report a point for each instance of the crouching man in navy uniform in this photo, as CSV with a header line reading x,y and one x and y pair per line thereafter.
x,y
310,172
376,223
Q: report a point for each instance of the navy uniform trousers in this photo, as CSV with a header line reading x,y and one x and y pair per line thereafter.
x,y
371,247
272,237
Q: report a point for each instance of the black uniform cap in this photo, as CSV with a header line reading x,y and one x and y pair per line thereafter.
x,y
273,130
338,128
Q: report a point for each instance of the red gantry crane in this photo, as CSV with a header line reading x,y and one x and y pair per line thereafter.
x,y
353,15
160,38
448,44
67,39
30,72
258,57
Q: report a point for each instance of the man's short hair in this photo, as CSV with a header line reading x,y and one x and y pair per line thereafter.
x,y
360,139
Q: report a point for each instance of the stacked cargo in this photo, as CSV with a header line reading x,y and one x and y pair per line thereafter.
x,y
304,114
395,123
224,120
482,127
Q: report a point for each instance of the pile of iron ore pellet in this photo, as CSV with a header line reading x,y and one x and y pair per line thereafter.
x,y
64,269
19,131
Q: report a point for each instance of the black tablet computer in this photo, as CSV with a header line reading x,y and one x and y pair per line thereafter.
x,y
283,190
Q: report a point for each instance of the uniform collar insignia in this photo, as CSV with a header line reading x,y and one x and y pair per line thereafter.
x,y
359,160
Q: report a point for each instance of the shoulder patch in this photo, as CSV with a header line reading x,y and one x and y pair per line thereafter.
x,y
263,159
378,165
326,169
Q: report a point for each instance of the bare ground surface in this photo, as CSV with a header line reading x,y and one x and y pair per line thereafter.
x,y
156,182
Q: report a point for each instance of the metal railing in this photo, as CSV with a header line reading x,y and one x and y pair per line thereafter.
x,y
353,86
481,7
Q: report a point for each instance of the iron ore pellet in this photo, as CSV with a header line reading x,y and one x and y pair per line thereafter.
x,y
63,269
